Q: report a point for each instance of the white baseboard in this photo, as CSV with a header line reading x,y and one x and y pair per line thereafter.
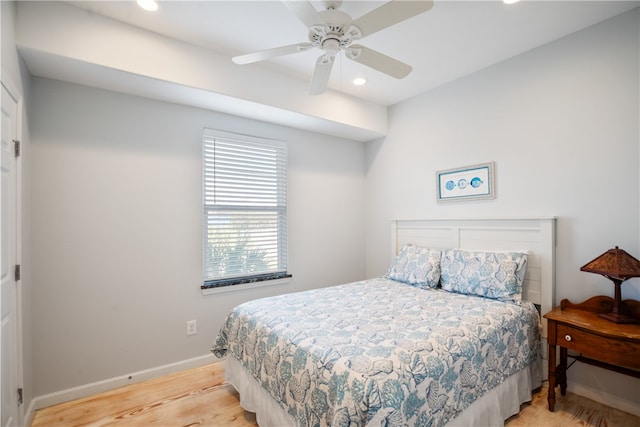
x,y
28,416
605,398
55,398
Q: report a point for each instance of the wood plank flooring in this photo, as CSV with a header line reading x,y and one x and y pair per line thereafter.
x,y
196,397
201,397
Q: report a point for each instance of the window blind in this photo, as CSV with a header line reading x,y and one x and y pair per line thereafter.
x,y
245,209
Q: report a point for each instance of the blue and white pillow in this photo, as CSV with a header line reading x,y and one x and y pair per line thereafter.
x,y
496,275
416,266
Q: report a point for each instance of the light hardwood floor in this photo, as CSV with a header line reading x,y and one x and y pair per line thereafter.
x,y
200,397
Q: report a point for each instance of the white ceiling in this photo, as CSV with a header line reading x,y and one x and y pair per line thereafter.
x,y
182,53
453,39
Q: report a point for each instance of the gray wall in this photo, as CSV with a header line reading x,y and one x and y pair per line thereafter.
x,y
116,221
561,124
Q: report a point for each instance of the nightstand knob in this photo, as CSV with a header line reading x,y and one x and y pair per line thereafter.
x,y
568,338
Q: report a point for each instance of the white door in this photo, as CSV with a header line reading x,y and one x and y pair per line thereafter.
x,y
8,256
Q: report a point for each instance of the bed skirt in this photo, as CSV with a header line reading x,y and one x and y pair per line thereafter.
x,y
489,410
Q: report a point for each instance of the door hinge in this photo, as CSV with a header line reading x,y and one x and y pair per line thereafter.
x,y
17,273
20,396
16,147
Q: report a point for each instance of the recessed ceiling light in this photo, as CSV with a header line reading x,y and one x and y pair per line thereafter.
x,y
359,81
150,5
510,1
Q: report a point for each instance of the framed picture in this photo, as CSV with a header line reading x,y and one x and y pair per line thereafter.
x,y
467,183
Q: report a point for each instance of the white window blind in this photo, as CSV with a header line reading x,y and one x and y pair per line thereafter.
x,y
245,209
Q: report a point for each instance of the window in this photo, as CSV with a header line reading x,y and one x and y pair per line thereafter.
x,y
245,209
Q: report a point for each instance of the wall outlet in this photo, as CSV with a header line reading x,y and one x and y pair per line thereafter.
x,y
191,327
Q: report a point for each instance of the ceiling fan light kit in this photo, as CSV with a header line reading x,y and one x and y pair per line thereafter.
x,y
333,30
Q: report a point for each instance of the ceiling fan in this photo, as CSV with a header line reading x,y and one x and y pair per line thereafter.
x,y
333,30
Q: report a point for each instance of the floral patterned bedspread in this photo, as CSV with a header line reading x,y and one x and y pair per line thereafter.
x,y
379,352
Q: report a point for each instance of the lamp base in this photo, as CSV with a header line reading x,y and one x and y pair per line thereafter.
x,y
618,318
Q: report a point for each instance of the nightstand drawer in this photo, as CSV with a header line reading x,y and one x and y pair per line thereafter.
x,y
619,352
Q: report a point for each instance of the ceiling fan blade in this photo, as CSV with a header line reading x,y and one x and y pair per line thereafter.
x,y
271,53
378,61
305,12
390,14
321,75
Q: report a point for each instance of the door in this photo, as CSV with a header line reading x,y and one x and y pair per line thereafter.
x,y
9,361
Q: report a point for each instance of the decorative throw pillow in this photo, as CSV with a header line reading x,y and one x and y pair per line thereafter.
x,y
416,266
496,275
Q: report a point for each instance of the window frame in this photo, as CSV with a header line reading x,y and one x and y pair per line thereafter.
x,y
227,283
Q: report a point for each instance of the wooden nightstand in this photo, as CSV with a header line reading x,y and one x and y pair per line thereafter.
x,y
600,342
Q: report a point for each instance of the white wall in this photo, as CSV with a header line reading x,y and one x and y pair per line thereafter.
x,y
117,229
561,124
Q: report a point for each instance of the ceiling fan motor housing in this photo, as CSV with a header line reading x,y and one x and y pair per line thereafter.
x,y
332,36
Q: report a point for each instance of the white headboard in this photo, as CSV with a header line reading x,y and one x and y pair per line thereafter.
x,y
536,236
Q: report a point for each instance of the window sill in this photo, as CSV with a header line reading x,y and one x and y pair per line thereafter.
x,y
245,286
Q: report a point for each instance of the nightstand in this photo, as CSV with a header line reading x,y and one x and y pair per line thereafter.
x,y
598,342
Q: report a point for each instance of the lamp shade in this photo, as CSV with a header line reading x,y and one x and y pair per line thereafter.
x,y
616,264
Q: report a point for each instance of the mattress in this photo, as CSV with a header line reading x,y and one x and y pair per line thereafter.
x,y
382,352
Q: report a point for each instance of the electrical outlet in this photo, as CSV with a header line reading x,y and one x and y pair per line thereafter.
x,y
191,327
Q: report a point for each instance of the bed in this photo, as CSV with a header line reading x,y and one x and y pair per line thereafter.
x,y
418,346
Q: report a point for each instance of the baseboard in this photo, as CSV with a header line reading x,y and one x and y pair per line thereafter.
x,y
28,416
605,398
112,383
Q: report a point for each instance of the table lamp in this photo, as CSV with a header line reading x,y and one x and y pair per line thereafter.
x,y
618,266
